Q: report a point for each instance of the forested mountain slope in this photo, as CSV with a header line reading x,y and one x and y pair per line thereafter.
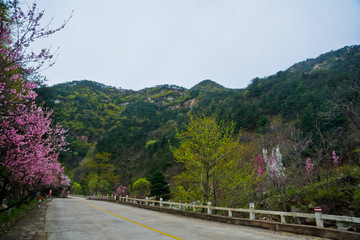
x,y
308,111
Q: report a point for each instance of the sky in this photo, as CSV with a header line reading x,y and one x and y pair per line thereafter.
x,y
134,44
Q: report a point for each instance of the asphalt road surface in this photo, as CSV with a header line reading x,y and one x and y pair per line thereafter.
x,y
77,219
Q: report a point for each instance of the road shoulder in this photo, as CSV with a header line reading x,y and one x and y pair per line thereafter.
x,y
31,226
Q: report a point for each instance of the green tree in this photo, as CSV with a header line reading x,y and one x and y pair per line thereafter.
x,y
101,186
159,185
101,173
212,158
141,188
76,188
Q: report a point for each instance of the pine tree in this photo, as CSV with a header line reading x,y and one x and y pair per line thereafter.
x,y
159,185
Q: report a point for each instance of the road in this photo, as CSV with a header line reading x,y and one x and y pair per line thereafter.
x,y
76,218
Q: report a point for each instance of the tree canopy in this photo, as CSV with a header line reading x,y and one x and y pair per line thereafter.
x,y
212,160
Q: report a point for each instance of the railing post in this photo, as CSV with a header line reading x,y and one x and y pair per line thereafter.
x,y
127,196
230,213
283,219
252,214
318,217
208,208
161,199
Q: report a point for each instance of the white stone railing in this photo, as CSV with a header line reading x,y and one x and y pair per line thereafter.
x,y
318,216
77,195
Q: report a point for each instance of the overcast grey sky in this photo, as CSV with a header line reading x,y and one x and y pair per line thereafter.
x,y
135,44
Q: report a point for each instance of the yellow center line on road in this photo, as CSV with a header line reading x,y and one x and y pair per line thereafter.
x,y
142,225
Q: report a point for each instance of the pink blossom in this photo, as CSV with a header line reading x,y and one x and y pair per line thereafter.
x,y
31,95
309,167
274,166
120,190
335,159
31,147
259,165
29,144
30,85
15,77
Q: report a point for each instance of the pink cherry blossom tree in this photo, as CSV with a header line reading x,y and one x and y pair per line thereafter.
x,y
260,165
276,172
309,167
274,167
29,143
335,159
120,190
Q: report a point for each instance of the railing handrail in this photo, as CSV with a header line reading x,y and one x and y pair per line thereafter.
x,y
78,195
341,218
318,216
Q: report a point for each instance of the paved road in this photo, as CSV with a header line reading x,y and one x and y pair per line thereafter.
x,y
79,219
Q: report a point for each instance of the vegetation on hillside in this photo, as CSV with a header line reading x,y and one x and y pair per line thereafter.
x,y
298,130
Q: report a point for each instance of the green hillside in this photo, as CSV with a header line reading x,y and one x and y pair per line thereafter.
x,y
308,111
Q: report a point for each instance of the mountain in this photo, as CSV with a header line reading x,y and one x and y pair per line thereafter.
x,y
308,111
207,86
341,59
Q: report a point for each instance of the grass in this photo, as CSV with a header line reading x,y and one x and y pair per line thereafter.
x,y
7,220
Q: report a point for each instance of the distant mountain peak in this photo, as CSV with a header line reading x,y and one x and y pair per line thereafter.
x,y
208,85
